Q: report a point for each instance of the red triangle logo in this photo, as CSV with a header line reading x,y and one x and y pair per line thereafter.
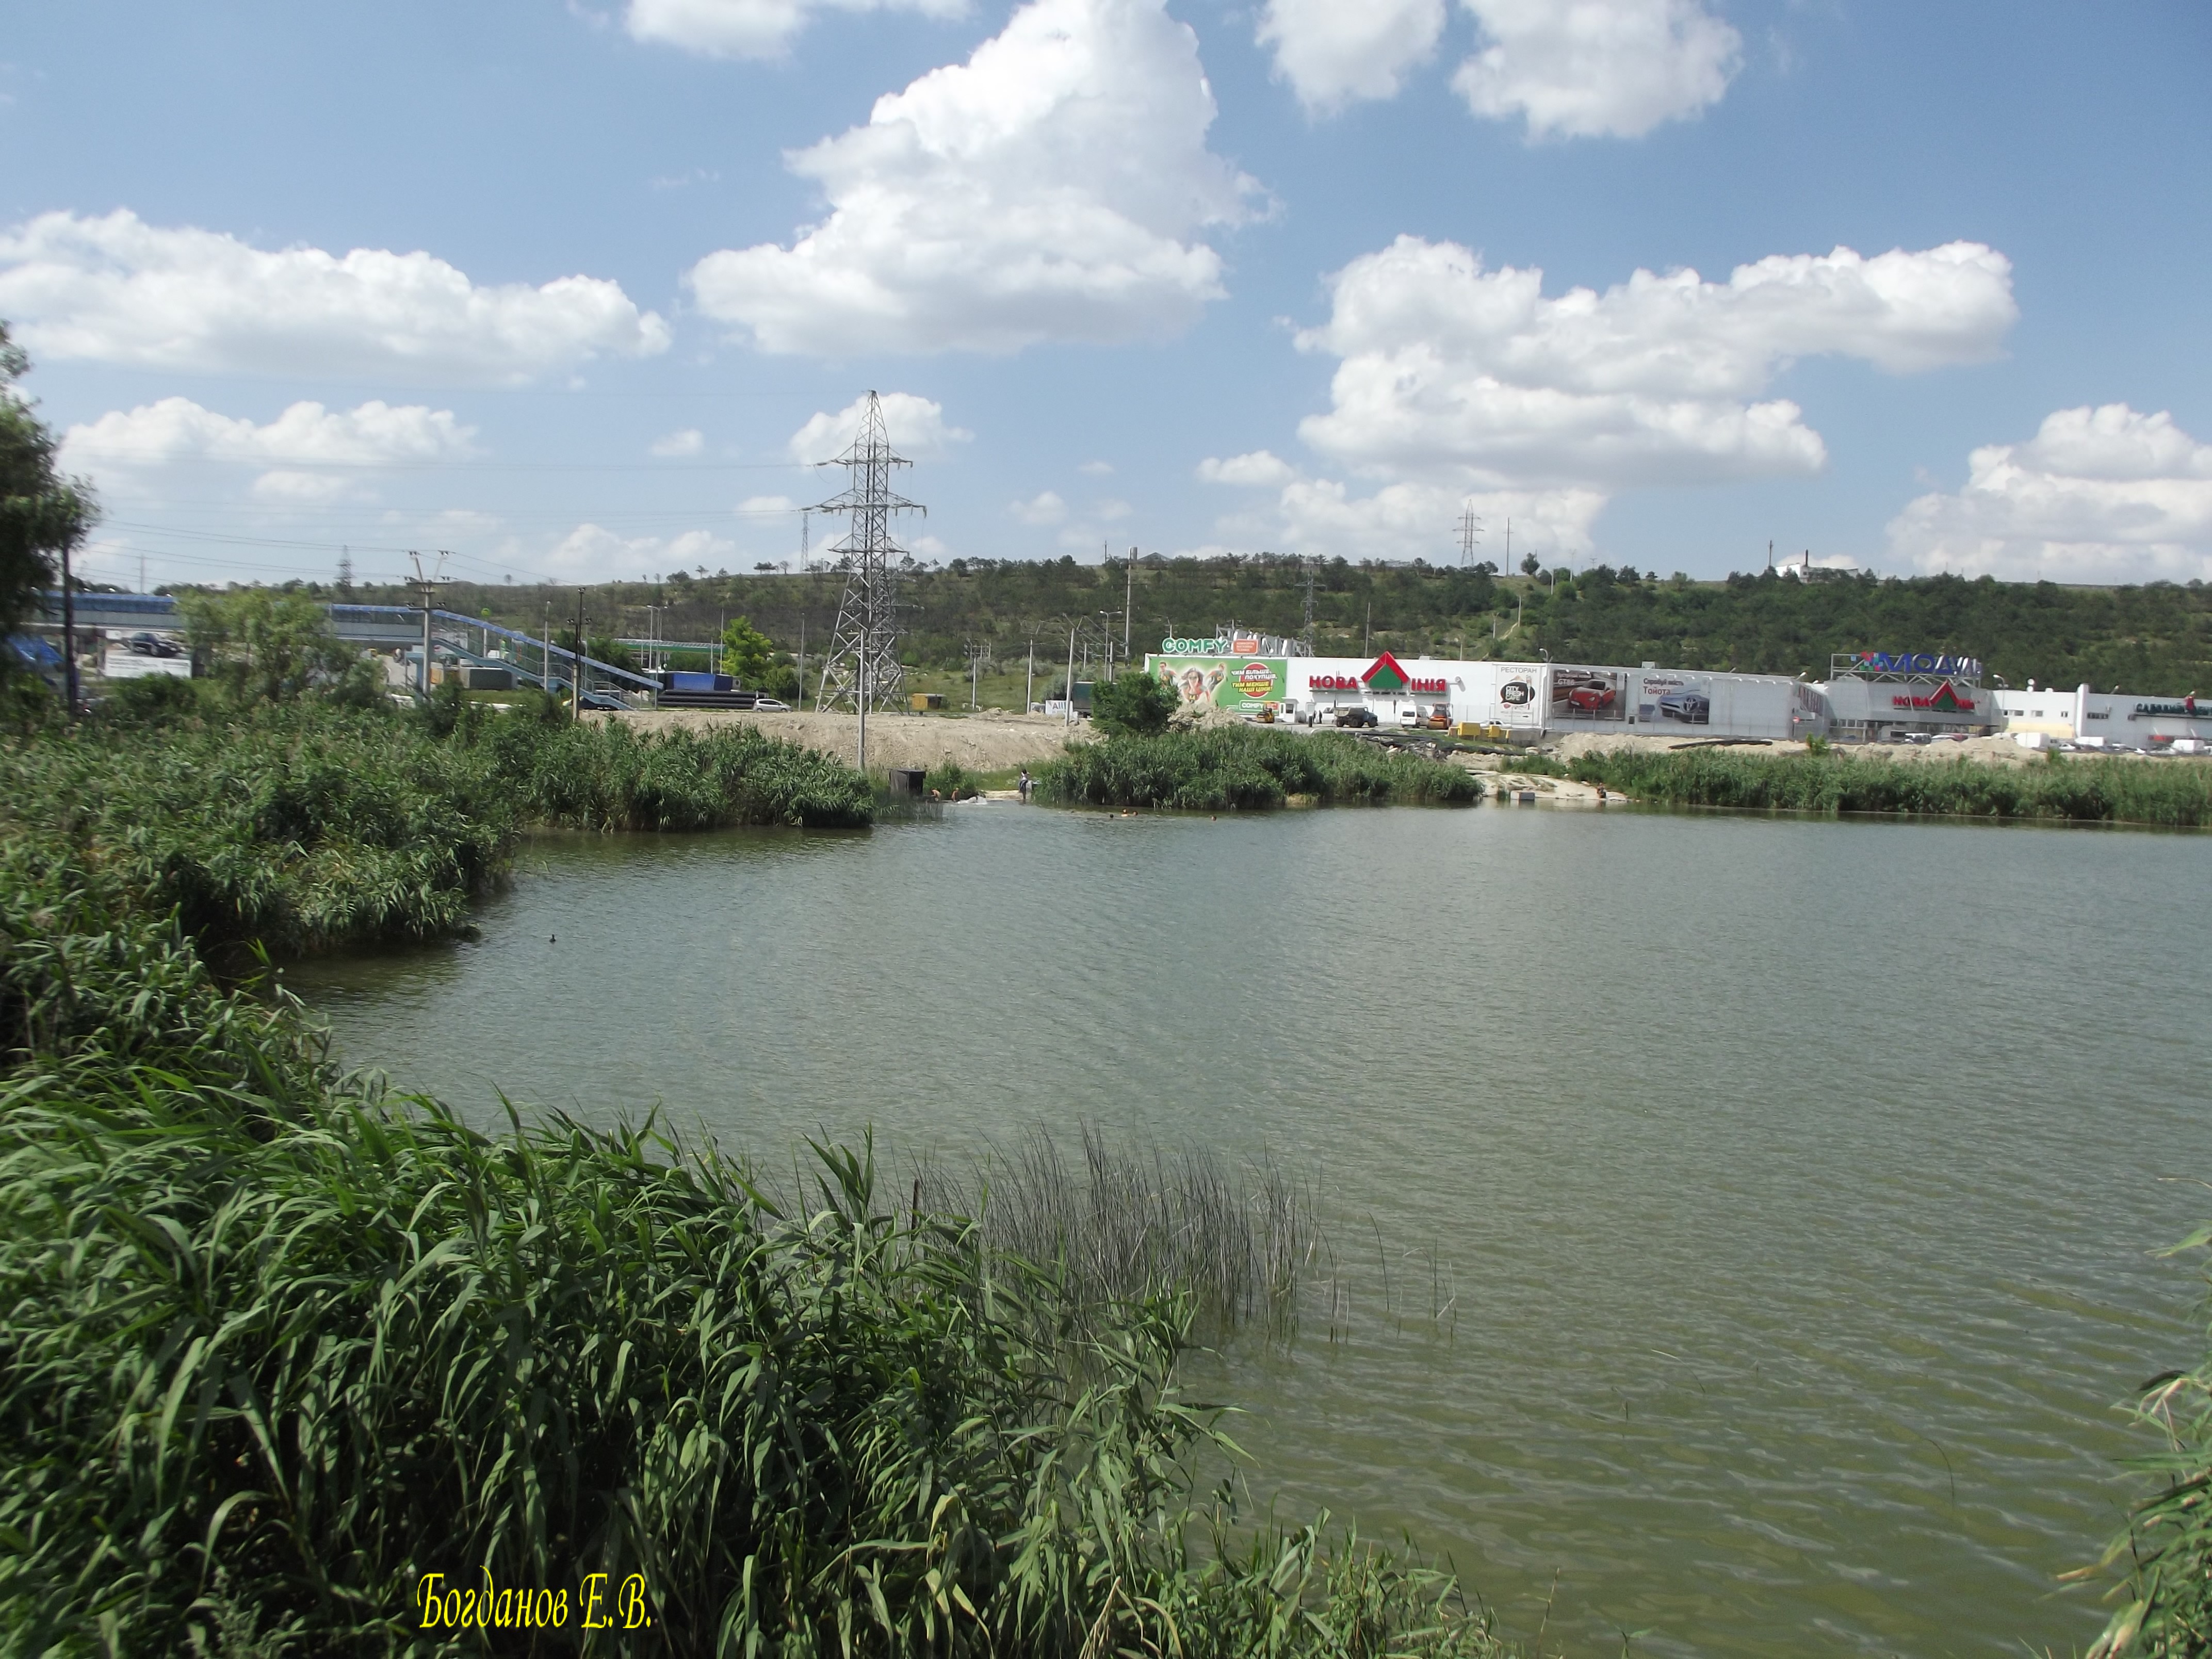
x,y
1384,674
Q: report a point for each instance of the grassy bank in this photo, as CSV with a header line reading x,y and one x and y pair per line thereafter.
x,y
276,1348
2062,789
1233,769
307,825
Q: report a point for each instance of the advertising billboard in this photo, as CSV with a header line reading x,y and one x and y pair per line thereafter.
x,y
1241,684
1516,700
1674,700
1589,694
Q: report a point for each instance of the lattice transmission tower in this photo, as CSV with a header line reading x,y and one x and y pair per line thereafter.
x,y
862,669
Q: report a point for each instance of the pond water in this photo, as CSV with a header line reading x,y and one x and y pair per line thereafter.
x,y
1795,1186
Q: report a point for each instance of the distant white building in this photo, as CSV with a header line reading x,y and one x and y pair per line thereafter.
x,y
2106,719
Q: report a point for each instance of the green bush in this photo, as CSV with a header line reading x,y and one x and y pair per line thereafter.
x,y
1135,705
1232,768
275,1348
2174,794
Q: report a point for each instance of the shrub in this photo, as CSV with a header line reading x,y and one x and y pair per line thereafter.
x,y
1225,768
2177,793
1136,705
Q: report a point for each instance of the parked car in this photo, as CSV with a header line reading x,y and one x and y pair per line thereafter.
x,y
769,705
143,644
1357,716
1691,708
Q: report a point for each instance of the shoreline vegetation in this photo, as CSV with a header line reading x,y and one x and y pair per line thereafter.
x,y
306,826
2059,789
277,1345
1242,768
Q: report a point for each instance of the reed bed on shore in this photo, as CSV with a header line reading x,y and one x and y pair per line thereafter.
x,y
309,825
1242,768
2175,794
276,1348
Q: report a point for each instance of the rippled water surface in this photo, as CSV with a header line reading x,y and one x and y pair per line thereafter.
x,y
1788,1189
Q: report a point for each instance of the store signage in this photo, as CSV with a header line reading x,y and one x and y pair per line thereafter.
x,y
1516,693
1244,645
1384,674
2187,710
1215,646
1331,683
1918,662
1947,700
1255,680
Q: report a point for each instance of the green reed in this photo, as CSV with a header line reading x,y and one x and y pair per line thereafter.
x,y
2173,793
1232,768
275,1345
309,825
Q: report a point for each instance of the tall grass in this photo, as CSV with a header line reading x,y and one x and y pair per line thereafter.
x,y
1232,768
2173,793
2165,1597
1116,1221
275,1347
309,826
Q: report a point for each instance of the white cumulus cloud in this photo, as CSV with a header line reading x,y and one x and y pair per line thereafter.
x,y
315,453
1042,509
1054,187
116,289
1332,52
1569,69
1449,370
1259,467
2100,495
751,29
916,427
1577,69
592,552
688,441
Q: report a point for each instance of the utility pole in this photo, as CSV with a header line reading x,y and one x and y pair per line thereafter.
x,y
426,588
1070,674
545,651
802,651
1367,632
576,667
69,632
1029,684
1128,600
1310,563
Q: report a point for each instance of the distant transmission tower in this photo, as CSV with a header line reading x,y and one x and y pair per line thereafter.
x,y
1470,533
345,571
862,669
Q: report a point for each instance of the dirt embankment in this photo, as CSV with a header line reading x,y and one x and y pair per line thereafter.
x,y
990,741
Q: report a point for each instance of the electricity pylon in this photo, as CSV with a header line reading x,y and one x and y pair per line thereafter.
x,y
862,668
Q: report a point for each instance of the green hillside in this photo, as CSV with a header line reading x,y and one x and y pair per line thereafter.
x,y
2153,638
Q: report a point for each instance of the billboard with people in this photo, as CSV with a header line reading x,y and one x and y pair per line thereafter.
x,y
1240,685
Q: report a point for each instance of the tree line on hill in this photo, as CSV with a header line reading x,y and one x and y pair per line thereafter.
x,y
2153,638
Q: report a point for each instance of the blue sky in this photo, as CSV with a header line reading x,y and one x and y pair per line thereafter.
x,y
578,292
